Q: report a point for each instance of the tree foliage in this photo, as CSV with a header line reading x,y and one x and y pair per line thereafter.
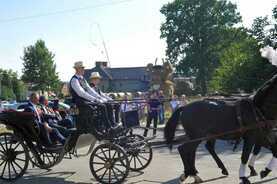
x,y
241,68
192,30
264,29
11,87
39,68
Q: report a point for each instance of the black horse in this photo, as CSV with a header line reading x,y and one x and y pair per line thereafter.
x,y
208,118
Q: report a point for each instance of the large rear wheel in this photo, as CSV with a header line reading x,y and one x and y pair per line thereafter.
x,y
109,164
14,157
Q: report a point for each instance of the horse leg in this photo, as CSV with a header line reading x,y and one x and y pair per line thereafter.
x,y
188,158
272,164
210,146
246,151
251,164
193,148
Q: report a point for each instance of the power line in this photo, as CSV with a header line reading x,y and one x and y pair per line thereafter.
x,y
62,12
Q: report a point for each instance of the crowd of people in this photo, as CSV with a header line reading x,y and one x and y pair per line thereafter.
x,y
151,107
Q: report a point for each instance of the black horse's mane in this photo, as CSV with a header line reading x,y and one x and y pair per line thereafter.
x,y
264,90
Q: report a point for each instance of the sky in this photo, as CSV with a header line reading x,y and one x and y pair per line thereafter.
x,y
130,30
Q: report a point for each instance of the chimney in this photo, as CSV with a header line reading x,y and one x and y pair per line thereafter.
x,y
101,64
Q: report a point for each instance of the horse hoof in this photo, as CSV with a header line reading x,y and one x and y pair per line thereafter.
x,y
264,174
197,179
225,172
244,180
182,178
252,171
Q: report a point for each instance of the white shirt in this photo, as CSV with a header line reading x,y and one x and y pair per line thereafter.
x,y
174,104
75,84
125,107
38,115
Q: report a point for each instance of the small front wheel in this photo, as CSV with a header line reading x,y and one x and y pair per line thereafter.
x,y
109,164
14,157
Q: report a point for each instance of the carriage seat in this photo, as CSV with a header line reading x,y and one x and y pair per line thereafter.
x,y
20,121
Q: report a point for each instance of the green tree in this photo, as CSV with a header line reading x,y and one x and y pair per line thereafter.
x,y
242,68
192,31
39,67
11,87
265,29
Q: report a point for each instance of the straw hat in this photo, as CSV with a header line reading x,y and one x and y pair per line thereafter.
x,y
95,75
79,64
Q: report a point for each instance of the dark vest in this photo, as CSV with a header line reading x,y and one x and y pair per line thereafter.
x,y
75,97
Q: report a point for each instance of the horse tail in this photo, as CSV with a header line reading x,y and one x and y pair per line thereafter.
x,y
171,125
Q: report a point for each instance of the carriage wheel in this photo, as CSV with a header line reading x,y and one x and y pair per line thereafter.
x,y
14,157
109,164
48,160
139,158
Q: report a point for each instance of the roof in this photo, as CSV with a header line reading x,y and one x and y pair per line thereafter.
x,y
129,73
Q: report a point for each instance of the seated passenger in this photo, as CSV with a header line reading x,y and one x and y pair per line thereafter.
x,y
86,100
54,115
48,134
112,108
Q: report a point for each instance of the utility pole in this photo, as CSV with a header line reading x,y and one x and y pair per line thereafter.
x,y
103,42
104,45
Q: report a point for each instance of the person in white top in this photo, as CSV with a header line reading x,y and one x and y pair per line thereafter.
x,y
183,101
174,103
88,101
112,106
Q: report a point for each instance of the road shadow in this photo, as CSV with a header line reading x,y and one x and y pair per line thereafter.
x,y
176,180
265,181
47,178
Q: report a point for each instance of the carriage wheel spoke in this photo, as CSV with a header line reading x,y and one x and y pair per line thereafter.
x,y
100,169
131,158
17,165
9,169
119,170
19,159
135,163
104,154
6,144
114,155
110,176
19,152
14,168
139,161
16,146
104,174
98,163
115,175
2,147
100,158
2,162
110,152
142,157
4,169
49,161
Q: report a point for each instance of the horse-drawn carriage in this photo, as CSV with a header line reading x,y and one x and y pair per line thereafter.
x,y
111,158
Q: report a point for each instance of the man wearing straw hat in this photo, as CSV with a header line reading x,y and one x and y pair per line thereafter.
x,y
95,80
88,102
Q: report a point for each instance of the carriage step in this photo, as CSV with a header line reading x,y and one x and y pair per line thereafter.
x,y
56,149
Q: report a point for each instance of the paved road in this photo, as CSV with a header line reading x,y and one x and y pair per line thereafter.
x,y
165,168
